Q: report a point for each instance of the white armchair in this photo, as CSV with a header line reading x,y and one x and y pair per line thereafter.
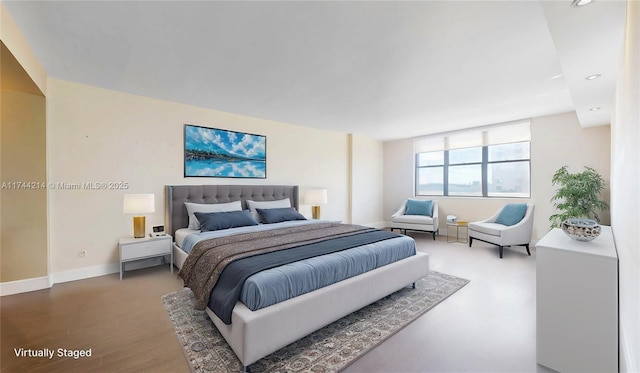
x,y
502,235
415,222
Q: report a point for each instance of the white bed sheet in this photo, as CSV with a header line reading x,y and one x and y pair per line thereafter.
x,y
182,233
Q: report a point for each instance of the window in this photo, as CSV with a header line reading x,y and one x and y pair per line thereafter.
x,y
465,172
475,163
430,173
508,170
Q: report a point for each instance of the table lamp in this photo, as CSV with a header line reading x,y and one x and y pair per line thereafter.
x,y
316,197
138,204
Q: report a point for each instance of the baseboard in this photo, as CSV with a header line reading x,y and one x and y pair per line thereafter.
x,y
82,273
377,224
24,286
102,270
628,359
31,284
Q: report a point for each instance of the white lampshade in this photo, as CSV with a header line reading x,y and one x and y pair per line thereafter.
x,y
316,197
139,203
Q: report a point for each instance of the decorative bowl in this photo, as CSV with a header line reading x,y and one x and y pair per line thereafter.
x,y
581,229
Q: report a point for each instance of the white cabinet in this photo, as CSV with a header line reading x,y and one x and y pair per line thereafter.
x,y
577,303
141,248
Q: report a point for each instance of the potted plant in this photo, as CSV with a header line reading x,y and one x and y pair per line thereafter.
x,y
577,197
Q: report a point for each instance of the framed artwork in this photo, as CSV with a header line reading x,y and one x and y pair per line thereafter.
x,y
212,152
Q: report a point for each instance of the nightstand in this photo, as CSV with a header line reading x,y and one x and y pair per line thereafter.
x,y
132,249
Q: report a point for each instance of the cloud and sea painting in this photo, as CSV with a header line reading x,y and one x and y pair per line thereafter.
x,y
220,153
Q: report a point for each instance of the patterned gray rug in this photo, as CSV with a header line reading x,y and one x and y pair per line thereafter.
x,y
329,349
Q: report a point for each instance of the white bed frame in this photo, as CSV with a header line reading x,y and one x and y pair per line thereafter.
x,y
255,334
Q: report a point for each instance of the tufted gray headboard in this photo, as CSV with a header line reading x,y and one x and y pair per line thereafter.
x,y
175,212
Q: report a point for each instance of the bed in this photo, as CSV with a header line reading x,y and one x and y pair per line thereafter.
x,y
255,334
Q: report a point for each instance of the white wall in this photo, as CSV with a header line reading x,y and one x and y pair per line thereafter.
x,y
556,140
625,191
106,136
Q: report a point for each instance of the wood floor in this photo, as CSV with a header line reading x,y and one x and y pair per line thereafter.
x,y
488,326
122,322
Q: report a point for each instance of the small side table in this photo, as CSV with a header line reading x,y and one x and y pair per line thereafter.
x,y
457,226
132,249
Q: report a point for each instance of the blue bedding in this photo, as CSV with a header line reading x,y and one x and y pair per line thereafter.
x,y
278,284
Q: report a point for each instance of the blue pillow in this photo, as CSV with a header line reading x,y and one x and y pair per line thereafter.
x,y
214,221
512,213
278,215
419,207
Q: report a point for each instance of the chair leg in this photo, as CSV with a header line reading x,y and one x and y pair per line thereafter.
x,y
501,248
434,235
470,241
528,252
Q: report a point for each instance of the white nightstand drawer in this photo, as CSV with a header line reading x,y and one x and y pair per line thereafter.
x,y
145,249
132,249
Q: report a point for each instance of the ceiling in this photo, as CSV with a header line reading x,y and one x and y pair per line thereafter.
x,y
385,69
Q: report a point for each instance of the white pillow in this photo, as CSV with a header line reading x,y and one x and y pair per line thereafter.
x,y
277,204
209,207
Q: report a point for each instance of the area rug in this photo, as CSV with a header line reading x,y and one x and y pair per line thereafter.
x,y
329,349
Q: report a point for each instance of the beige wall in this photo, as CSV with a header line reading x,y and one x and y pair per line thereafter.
x,y
23,242
23,207
366,181
99,135
625,187
398,174
556,140
23,216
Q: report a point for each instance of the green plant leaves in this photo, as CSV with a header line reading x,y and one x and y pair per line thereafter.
x,y
578,195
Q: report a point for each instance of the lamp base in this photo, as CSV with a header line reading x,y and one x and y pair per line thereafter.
x,y
315,212
138,226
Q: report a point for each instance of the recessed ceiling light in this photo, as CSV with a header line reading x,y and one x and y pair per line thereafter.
x,y
596,108
577,3
592,77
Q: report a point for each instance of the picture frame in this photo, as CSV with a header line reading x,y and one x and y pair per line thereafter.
x,y
214,152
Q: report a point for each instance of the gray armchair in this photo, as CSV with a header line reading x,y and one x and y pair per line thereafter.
x,y
501,235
